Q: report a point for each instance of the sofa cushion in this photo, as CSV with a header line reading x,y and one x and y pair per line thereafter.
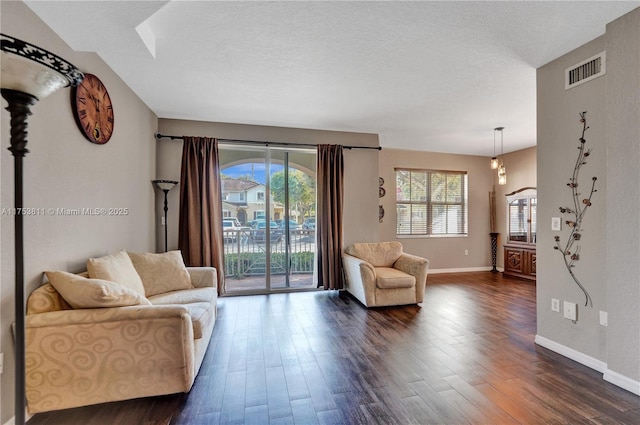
x,y
82,292
161,273
201,317
389,278
116,268
382,254
187,296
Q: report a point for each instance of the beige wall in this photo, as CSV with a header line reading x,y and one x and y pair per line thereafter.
x,y
610,256
446,254
521,173
360,171
64,170
623,200
558,138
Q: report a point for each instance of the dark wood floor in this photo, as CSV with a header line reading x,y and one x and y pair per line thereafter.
x,y
466,356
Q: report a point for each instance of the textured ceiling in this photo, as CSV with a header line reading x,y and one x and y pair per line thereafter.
x,y
434,76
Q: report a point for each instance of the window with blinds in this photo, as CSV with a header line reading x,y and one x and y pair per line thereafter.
x,y
431,203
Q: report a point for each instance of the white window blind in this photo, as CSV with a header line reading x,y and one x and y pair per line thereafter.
x,y
431,203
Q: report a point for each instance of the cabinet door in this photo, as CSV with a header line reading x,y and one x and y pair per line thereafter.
x,y
514,260
532,262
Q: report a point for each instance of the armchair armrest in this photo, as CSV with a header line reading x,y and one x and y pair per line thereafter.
x,y
417,267
203,277
361,278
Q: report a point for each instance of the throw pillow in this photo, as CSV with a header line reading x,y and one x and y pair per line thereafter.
x,y
161,273
82,292
116,268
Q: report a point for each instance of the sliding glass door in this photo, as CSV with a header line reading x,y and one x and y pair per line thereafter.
x,y
268,199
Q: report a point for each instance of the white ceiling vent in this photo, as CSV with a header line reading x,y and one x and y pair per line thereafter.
x,y
585,71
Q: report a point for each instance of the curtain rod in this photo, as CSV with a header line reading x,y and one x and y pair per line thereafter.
x,y
258,142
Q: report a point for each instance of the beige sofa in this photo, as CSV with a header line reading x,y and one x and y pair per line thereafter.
x,y
380,274
105,351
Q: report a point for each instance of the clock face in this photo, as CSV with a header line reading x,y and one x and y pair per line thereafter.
x,y
93,109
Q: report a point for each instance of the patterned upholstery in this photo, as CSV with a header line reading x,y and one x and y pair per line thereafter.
x,y
45,299
88,356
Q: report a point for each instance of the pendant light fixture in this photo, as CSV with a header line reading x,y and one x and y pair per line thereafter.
x,y
502,171
494,158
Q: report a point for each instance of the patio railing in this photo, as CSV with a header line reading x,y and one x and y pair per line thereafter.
x,y
245,253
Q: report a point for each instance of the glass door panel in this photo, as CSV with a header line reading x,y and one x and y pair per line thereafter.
x,y
244,202
294,192
278,181
270,192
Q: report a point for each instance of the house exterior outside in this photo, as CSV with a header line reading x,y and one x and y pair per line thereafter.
x,y
246,201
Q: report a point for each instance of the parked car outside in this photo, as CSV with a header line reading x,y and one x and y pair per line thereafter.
x,y
230,227
309,224
293,225
259,232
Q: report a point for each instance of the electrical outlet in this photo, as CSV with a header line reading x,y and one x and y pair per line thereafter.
x,y
466,252
555,305
604,319
570,311
164,223
556,224
1,363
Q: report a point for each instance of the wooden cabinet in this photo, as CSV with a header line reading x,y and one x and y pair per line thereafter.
x,y
520,248
520,261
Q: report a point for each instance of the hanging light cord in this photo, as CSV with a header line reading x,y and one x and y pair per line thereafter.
x,y
494,142
501,147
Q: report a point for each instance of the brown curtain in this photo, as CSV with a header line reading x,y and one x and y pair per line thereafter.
x,y
200,232
329,216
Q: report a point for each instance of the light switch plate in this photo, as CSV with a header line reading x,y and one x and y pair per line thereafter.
x,y
556,224
604,320
570,311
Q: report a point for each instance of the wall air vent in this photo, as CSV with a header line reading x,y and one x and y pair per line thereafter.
x,y
585,71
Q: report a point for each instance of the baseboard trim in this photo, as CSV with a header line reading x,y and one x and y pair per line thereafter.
x,y
608,375
622,381
462,270
575,355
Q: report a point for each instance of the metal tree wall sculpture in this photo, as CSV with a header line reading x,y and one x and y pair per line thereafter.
x,y
571,249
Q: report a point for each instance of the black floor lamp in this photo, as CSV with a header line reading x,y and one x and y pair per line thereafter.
x,y
165,186
29,74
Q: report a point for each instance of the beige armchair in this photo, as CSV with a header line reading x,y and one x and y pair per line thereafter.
x,y
380,274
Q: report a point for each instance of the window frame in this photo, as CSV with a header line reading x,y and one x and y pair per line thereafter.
x,y
429,204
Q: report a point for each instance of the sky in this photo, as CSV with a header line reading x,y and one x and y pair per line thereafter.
x,y
256,169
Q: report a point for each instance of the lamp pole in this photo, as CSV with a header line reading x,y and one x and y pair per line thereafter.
x,y
166,209
29,73
165,186
19,108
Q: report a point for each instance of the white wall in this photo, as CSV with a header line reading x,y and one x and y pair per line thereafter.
x,y
64,170
610,255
